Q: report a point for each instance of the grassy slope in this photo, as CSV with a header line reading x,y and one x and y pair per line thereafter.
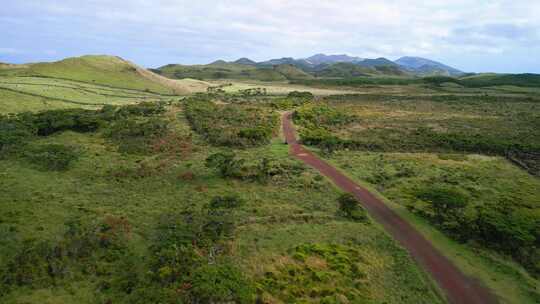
x,y
36,204
221,70
102,70
18,94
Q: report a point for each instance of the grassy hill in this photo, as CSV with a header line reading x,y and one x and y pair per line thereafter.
x,y
133,205
104,70
225,70
486,80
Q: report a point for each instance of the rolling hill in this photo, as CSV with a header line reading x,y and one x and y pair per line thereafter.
x,y
426,67
106,70
233,70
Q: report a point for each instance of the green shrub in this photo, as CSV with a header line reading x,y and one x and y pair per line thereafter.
x,y
231,125
133,136
142,109
84,246
350,208
225,163
51,157
14,132
301,95
321,116
226,201
446,202
50,122
220,283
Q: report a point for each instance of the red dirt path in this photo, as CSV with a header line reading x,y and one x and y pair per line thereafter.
x,y
458,288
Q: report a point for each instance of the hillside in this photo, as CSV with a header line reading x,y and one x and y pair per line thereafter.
x,y
231,70
426,67
343,70
106,70
486,80
291,72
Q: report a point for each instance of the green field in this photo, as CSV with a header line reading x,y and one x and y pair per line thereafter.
x,y
121,186
284,240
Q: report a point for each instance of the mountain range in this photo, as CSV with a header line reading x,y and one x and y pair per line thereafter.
x,y
412,65
319,65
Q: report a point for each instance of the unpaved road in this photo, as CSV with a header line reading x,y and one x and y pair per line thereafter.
x,y
458,288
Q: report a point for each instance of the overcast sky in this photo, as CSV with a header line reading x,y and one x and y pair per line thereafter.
x,y
472,35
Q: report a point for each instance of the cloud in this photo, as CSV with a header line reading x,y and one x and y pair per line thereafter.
x,y
199,31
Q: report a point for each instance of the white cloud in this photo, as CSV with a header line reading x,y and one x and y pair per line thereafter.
x,y
269,28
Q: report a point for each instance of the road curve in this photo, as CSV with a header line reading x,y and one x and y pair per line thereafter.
x,y
458,288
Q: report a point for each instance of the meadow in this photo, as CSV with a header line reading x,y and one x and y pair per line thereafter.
x,y
447,163
127,204
120,187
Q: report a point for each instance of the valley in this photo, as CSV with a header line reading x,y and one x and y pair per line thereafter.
x,y
174,185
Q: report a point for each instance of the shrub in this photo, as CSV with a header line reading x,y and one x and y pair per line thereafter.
x,y
142,109
256,134
301,95
446,202
227,201
50,122
51,157
350,208
134,136
220,283
231,125
14,132
225,163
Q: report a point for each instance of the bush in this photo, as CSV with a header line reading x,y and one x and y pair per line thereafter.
x,y
226,201
350,208
446,202
78,120
220,283
134,136
51,157
321,116
226,164
301,95
14,132
231,125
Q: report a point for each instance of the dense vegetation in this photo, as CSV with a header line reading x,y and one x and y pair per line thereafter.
x,y
355,78
446,125
231,125
440,123
133,208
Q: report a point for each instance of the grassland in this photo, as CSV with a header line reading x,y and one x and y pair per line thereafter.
x,y
378,140
105,71
103,223
487,179
224,70
127,192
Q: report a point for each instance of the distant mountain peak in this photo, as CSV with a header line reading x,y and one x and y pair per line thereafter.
x,y
244,60
220,61
425,66
323,58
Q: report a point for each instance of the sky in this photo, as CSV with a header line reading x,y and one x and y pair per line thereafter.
x,y
471,35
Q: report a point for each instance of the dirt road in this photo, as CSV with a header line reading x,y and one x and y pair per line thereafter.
x,y
457,287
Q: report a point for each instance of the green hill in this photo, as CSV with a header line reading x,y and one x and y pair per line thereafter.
x,y
291,72
486,80
103,70
226,70
349,70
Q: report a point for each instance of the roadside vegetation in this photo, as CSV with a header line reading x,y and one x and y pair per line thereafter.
x,y
466,165
138,204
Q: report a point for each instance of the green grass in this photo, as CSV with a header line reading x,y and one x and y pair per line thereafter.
x,y
19,94
103,70
232,71
278,215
